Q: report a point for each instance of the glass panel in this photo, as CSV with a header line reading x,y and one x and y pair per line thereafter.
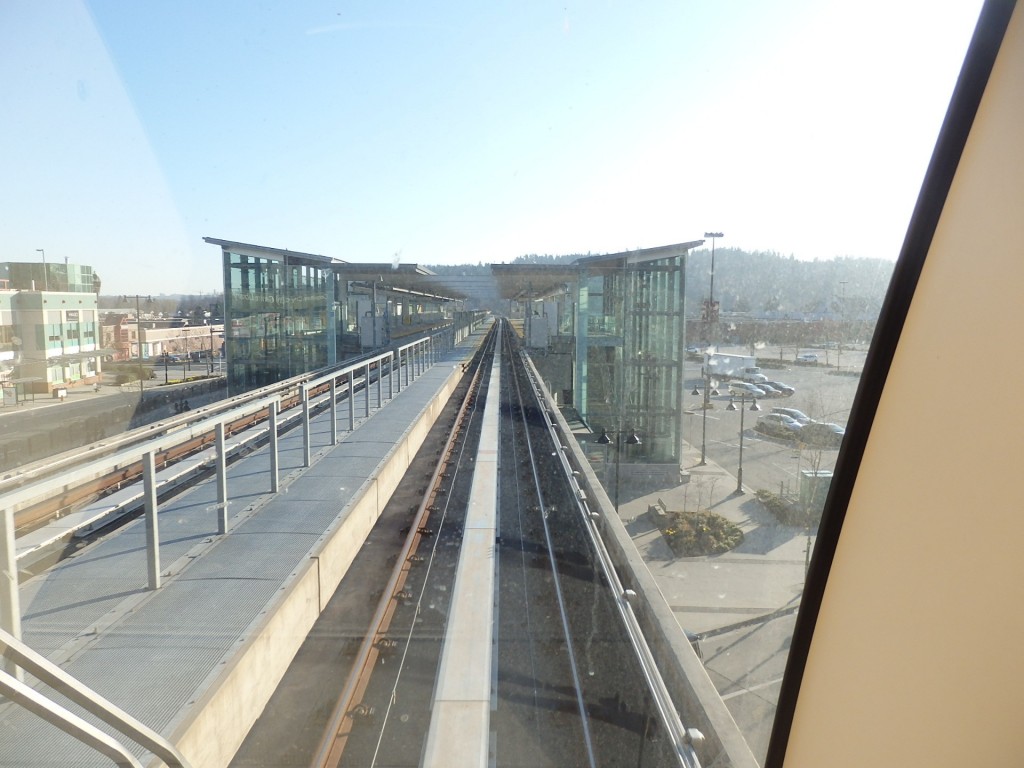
x,y
719,367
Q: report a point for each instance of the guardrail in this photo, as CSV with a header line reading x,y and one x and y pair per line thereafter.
x,y
18,655
672,668
142,446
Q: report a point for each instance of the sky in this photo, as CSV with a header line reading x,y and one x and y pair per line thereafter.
x,y
463,132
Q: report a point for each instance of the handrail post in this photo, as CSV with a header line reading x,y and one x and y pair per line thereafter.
x,y
275,458
334,411
306,429
10,602
222,480
351,402
366,390
380,384
152,526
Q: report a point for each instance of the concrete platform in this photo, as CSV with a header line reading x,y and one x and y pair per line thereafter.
x,y
197,659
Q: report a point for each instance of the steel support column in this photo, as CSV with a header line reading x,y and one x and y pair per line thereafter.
x,y
152,527
351,402
380,384
222,480
275,458
334,411
306,429
391,376
366,390
10,603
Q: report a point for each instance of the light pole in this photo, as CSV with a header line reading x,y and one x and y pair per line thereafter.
x,y
842,322
605,439
46,279
704,415
138,332
712,315
732,407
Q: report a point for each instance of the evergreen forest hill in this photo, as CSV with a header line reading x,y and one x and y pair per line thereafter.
x,y
762,284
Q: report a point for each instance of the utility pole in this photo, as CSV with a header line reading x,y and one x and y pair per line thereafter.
x,y
138,331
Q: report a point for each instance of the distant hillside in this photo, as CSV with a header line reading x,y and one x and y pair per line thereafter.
x,y
762,283
767,284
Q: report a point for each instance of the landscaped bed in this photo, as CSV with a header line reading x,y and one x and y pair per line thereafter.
x,y
691,534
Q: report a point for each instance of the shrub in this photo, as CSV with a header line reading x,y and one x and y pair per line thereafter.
x,y
690,534
787,513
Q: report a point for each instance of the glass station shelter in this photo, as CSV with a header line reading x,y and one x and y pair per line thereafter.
x,y
288,313
608,334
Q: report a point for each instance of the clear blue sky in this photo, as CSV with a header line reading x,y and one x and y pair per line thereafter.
x,y
463,131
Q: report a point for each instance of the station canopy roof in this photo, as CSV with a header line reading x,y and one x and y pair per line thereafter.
x,y
539,281
519,281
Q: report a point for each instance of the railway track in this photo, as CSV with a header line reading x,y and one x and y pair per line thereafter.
x,y
407,628
568,685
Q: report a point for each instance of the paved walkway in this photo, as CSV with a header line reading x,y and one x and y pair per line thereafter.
x,y
762,575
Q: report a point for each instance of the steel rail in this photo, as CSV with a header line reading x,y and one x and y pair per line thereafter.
x,y
474,396
563,613
522,550
339,725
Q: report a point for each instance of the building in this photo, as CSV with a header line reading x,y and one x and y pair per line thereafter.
x,y
49,328
288,312
608,334
128,336
609,329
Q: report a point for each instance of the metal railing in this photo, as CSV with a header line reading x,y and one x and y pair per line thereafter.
x,y
17,653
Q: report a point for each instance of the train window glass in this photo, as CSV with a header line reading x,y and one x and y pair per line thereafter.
x,y
597,148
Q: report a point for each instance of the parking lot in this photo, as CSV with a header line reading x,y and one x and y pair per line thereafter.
x,y
773,461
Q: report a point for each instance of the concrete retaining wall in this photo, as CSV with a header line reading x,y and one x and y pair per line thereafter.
x,y
234,697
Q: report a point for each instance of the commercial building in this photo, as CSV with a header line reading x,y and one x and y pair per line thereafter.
x,y
49,328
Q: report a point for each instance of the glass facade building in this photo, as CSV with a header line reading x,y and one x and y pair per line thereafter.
x,y
630,347
59,278
609,332
289,313
281,314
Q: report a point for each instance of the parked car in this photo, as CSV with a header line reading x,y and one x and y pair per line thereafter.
x,y
777,424
743,389
794,414
769,390
784,389
824,434
807,358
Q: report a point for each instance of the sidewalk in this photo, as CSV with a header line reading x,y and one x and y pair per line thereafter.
x,y
759,577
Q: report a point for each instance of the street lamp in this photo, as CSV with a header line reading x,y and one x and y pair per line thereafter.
x,y
46,279
712,319
732,407
606,439
708,391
